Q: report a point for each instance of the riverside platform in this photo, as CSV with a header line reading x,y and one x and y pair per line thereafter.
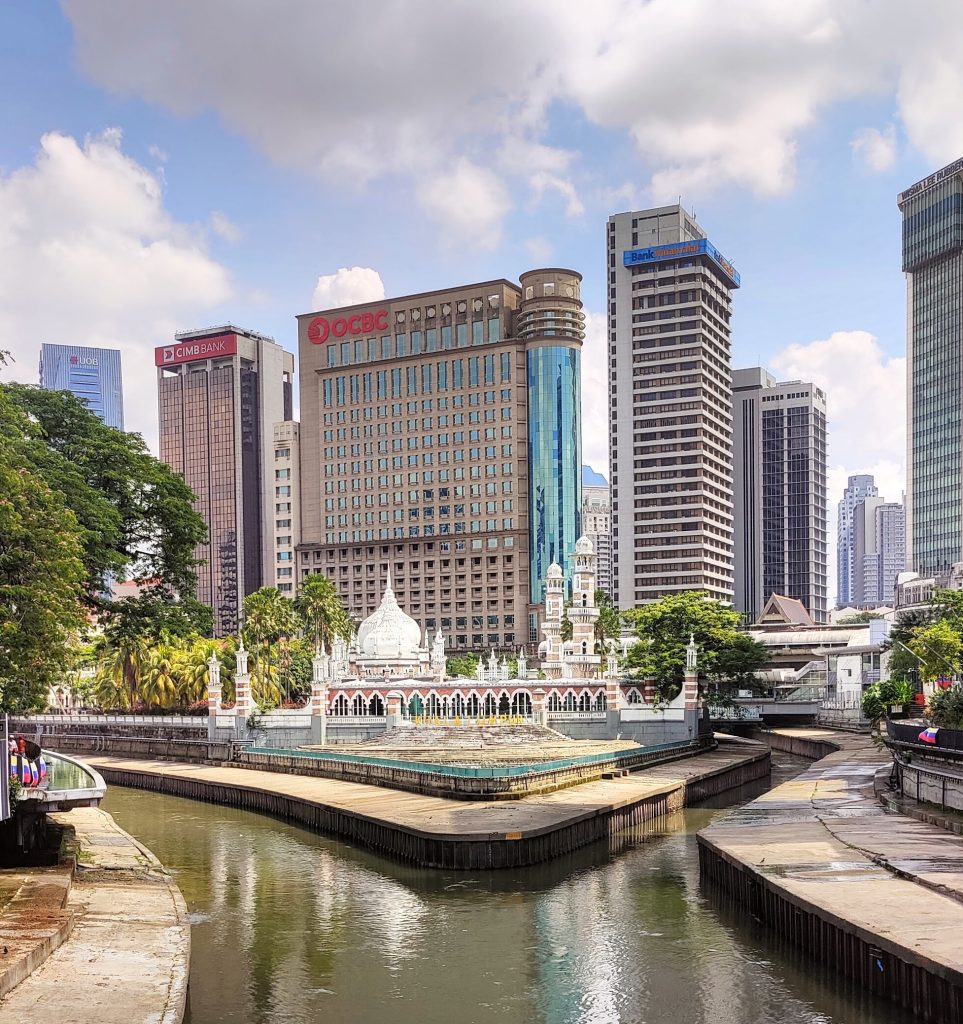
x,y
874,895
435,831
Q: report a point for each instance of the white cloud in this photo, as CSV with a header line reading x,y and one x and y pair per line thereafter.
x,y
539,249
595,394
877,149
866,413
160,155
469,204
224,227
89,255
543,182
347,286
710,96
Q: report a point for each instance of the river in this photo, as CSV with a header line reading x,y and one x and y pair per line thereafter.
x,y
292,927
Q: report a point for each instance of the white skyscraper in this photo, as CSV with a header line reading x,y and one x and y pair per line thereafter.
x,y
857,489
670,388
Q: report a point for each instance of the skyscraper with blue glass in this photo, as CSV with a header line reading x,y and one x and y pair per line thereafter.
x,y
932,212
551,322
92,374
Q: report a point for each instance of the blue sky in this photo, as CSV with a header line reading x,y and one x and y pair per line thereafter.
x,y
170,166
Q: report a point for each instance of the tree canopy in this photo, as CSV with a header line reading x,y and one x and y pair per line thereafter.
x,y
728,657
41,574
135,515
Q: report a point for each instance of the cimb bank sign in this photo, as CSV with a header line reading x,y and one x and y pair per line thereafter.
x,y
202,348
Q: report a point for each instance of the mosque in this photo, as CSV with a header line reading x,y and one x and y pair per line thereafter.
x,y
390,655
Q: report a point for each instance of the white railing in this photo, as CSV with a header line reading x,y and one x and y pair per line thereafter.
x,y
198,721
357,720
555,716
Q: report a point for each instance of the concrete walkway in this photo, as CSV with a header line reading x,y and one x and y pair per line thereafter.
x,y
440,817
127,959
823,843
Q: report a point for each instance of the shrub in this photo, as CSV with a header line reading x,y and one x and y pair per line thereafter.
x,y
946,708
878,698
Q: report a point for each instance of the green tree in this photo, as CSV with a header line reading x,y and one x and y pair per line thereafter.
x,y
727,656
323,613
608,626
41,581
938,648
463,665
135,513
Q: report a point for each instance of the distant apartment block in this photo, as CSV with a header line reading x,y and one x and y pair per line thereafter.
x,y
91,374
879,544
858,489
597,524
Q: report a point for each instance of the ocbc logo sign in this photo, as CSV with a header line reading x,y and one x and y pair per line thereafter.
x,y
321,328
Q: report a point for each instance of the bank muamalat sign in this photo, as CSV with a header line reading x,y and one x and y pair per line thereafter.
x,y
202,348
320,328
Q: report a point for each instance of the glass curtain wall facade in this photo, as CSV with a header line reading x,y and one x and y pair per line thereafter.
x,y
932,212
92,374
554,459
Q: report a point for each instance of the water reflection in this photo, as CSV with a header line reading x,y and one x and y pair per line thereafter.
x,y
293,927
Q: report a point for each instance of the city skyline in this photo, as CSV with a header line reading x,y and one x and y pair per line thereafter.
x,y
479,177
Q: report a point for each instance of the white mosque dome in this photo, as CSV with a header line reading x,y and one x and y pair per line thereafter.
x,y
389,632
583,546
554,571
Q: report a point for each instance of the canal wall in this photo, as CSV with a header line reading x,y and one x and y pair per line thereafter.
x,y
439,832
875,896
121,952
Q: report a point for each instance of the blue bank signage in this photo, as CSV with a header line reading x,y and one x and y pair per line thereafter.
x,y
697,247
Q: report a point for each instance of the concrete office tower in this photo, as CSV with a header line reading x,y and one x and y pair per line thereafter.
x,y
879,544
670,408
286,524
597,524
440,442
932,212
779,477
92,374
858,488
220,392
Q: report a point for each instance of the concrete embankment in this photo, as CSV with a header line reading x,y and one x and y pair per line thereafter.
x,y
876,896
440,832
127,957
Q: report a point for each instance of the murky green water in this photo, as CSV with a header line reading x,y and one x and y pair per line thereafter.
x,y
293,927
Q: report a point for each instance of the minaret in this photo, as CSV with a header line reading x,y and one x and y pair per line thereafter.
x,y
582,613
552,626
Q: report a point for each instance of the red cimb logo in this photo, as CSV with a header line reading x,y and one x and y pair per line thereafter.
x,y
73,360
320,328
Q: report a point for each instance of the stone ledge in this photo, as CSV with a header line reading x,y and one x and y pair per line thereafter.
x,y
127,958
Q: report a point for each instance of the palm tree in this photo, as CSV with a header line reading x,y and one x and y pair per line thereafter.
x,y
270,619
195,671
121,656
161,684
323,612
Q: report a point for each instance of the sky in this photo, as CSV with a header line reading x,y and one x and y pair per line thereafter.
x,y
171,166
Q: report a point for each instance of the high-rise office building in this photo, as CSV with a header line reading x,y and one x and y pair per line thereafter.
x,y
92,374
779,477
286,521
220,393
670,408
441,442
858,488
932,212
597,524
879,551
